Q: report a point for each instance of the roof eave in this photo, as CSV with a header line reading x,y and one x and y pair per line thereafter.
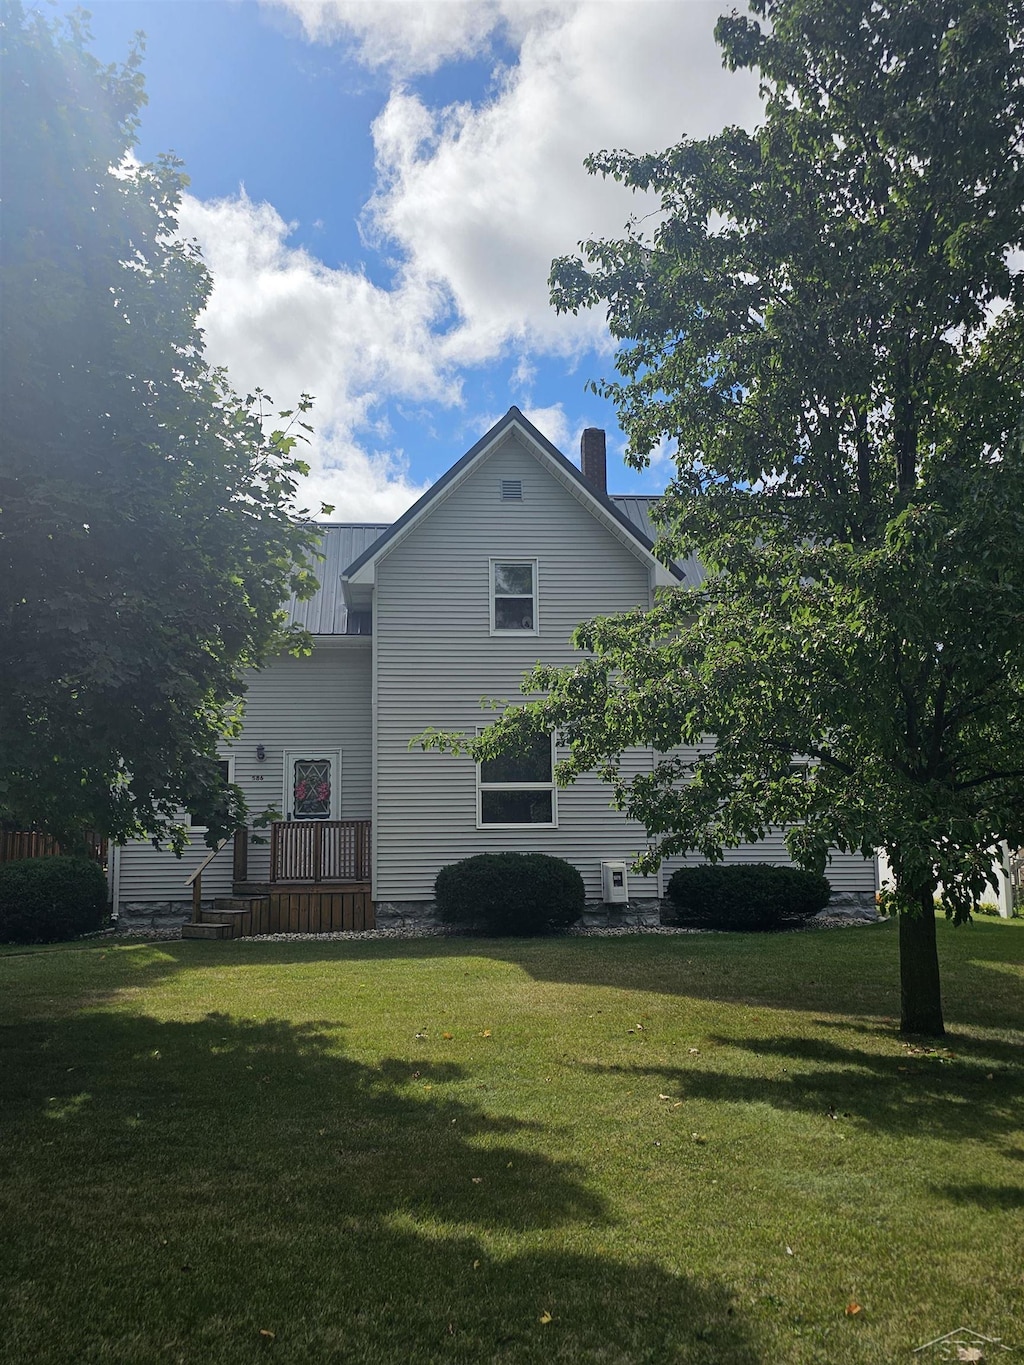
x,y
361,573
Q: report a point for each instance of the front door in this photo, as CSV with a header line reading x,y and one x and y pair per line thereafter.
x,y
312,784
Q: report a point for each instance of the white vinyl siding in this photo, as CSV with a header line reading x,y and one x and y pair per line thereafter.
x,y
322,700
846,872
433,667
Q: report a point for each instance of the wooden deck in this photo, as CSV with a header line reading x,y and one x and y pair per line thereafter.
x,y
319,884
319,851
287,910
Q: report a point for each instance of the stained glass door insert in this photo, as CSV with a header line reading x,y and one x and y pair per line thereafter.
x,y
311,791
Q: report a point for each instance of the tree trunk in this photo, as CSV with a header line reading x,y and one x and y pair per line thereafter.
x,y
920,994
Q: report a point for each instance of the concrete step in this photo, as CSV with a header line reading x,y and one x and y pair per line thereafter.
x,y
206,931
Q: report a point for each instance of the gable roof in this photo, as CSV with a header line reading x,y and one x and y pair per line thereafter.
x,y
348,546
601,502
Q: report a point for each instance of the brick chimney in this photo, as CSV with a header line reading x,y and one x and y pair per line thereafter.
x,y
593,460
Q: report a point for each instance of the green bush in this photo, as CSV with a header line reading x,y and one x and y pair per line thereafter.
x,y
979,908
746,895
510,893
43,900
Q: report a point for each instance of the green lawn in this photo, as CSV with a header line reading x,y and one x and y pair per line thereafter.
x,y
645,1149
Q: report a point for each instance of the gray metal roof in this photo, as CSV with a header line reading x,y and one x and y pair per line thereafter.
x,y
325,612
637,510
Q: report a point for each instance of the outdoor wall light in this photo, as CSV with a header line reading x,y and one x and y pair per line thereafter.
x,y
261,753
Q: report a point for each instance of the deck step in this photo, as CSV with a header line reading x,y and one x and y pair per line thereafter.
x,y
206,931
305,910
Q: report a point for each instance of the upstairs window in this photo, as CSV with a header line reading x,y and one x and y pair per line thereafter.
x,y
514,596
518,788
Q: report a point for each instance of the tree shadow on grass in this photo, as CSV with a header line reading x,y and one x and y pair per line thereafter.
x,y
999,1198
55,980
896,1094
174,1189
853,970
954,1046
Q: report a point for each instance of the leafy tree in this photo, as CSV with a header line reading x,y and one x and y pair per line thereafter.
x,y
822,317
146,541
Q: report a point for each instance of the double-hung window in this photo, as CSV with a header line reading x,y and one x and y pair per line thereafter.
x,y
518,788
514,596
227,776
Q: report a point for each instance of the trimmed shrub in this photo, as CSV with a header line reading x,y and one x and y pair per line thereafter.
x,y
746,896
44,900
985,908
510,893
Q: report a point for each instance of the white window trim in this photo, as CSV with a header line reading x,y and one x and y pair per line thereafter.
x,y
535,565
518,787
229,759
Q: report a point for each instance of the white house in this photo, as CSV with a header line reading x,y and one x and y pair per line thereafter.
x,y
414,623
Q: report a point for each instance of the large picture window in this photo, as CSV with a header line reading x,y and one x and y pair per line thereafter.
x,y
513,596
519,788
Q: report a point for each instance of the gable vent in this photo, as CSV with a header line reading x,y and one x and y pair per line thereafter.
x,y
511,490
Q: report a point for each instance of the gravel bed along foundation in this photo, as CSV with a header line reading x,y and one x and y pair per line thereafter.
x,y
823,921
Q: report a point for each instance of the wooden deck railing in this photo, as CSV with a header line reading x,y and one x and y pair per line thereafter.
x,y
319,851
240,856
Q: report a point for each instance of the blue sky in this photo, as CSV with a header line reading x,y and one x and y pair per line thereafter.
x,y
379,189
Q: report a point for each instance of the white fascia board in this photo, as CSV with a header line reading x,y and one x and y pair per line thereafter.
x,y
356,586
662,576
342,641
358,595
366,575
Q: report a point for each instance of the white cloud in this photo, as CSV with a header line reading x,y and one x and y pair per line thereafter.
x,y
280,319
553,423
472,203
482,198
360,486
410,37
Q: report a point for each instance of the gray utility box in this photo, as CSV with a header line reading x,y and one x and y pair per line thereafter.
x,y
614,883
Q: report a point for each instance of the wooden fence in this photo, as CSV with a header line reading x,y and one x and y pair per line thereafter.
x,y
29,843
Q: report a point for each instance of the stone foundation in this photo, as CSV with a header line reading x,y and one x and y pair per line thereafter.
x,y
636,913
853,905
134,916
405,915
